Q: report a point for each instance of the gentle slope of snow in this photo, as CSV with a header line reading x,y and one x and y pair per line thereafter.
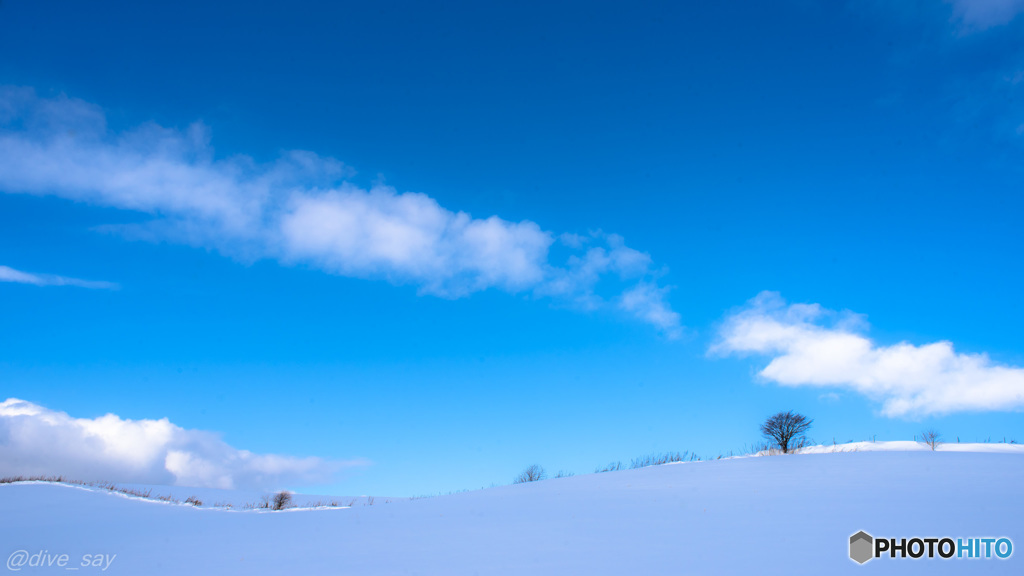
x,y
771,515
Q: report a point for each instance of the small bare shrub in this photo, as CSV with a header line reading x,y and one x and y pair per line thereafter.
x,y
931,438
193,500
126,491
613,467
659,459
282,500
532,473
564,474
763,449
13,479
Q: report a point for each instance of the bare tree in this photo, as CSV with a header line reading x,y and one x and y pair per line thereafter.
x,y
282,500
785,427
532,473
931,438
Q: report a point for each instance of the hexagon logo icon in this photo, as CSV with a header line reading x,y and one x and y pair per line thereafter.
x,y
861,544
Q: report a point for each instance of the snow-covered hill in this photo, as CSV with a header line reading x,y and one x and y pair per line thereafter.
x,y
771,515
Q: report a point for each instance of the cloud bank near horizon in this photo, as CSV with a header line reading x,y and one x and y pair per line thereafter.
x,y
8,274
812,346
300,210
38,441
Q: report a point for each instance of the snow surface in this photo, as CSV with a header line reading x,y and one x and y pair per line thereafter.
x,y
769,515
911,446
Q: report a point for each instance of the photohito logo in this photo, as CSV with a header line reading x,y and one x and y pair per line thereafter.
x,y
864,547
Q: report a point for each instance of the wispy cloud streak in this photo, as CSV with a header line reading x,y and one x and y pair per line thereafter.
x,y
977,15
301,210
8,274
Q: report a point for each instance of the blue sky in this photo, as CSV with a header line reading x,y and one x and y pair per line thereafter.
x,y
431,245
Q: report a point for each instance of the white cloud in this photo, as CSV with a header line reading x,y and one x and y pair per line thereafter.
x,y
300,210
811,346
37,441
976,15
647,301
8,274
410,237
609,261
